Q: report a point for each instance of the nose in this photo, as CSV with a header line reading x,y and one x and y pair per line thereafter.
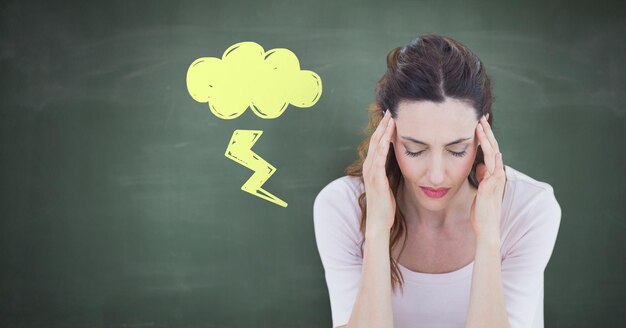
x,y
436,171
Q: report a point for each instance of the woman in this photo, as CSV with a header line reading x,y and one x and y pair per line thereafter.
x,y
429,228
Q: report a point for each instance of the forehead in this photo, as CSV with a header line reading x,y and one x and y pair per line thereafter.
x,y
451,117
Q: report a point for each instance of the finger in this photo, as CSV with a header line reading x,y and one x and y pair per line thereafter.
x,y
489,133
375,138
487,149
382,125
499,164
502,174
380,129
383,146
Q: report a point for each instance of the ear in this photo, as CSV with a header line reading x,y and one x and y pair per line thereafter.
x,y
487,117
480,172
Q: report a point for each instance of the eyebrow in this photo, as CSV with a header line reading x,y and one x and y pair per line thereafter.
x,y
423,143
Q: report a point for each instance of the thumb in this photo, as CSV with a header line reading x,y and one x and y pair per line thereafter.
x,y
472,209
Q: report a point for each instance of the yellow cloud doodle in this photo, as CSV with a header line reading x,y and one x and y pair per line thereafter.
x,y
247,76
267,82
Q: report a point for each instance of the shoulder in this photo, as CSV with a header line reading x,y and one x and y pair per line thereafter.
x,y
526,185
527,193
336,207
346,189
531,208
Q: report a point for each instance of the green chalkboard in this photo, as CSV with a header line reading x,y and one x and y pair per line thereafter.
x,y
119,208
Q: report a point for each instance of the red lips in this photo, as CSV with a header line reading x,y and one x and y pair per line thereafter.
x,y
435,193
436,190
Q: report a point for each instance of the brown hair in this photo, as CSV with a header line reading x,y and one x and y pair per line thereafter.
x,y
429,68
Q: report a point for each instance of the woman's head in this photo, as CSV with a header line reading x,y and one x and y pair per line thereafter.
x,y
432,85
436,90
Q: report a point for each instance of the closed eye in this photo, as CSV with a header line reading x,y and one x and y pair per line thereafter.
x,y
457,154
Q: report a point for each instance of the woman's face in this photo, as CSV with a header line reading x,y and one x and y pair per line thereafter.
x,y
434,163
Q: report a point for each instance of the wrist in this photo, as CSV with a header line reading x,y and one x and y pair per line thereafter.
x,y
488,239
377,234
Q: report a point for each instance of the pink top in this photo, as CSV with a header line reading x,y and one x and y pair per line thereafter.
x,y
530,222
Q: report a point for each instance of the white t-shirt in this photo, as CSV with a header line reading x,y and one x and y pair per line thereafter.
x,y
530,222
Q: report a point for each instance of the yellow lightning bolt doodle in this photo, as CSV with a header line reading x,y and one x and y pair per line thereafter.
x,y
267,82
240,150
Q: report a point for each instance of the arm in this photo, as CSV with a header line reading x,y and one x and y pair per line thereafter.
x,y
487,307
372,307
520,276
526,257
348,268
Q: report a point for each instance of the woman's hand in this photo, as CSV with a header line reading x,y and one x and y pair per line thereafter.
x,y
381,204
487,206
